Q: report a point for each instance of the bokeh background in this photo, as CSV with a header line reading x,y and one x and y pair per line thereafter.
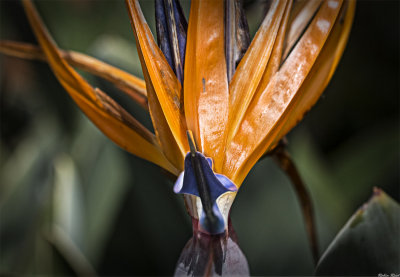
x,y
73,203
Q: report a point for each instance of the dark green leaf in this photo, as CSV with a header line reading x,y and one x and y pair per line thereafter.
x,y
369,243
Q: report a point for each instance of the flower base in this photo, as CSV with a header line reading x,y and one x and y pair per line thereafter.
x,y
212,255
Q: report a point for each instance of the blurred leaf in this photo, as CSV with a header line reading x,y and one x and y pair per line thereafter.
x,y
117,51
26,179
369,243
68,209
69,252
106,190
105,179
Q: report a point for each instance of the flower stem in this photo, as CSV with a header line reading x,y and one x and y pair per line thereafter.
x,y
284,160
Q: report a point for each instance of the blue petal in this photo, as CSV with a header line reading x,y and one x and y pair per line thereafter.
x,y
226,182
220,226
218,185
179,183
217,188
187,184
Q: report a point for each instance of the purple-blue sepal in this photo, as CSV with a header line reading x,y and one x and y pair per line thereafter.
x,y
218,185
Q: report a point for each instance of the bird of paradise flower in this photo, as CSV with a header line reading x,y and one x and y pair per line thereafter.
x,y
218,103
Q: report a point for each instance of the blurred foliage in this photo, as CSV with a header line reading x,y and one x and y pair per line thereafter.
x,y
71,202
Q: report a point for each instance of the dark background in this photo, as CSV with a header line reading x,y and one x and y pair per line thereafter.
x,y
119,213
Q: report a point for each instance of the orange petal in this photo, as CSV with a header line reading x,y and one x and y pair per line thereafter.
x,y
324,67
270,110
206,93
131,85
251,68
165,85
107,115
300,17
163,132
276,55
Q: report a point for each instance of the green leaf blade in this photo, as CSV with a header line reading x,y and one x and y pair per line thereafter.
x,y
369,243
